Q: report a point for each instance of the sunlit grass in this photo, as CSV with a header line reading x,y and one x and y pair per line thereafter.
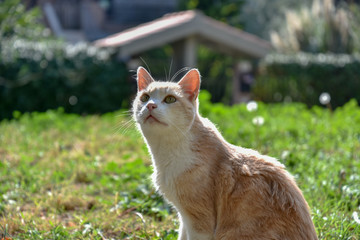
x,y
70,177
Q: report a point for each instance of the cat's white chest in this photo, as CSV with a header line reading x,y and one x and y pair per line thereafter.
x,y
169,163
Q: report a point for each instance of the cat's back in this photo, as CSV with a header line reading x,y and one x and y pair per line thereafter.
x,y
259,199
255,197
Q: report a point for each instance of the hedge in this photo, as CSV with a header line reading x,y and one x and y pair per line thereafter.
x,y
303,77
36,76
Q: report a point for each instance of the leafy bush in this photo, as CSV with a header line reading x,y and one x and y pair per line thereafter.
x,y
15,20
303,77
36,76
225,10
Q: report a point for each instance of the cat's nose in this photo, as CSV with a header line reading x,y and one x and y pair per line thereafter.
x,y
151,106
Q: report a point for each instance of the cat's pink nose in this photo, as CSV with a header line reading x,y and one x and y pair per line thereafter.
x,y
151,106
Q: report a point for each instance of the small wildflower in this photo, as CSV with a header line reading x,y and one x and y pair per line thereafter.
x,y
285,154
87,228
325,98
251,106
356,217
73,100
258,121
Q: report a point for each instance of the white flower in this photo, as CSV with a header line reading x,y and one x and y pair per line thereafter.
x,y
258,121
87,228
285,154
324,98
73,100
251,106
356,217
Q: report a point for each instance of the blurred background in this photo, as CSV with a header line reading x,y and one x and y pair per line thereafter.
x,y
81,55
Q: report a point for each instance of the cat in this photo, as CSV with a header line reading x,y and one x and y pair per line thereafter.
x,y
219,190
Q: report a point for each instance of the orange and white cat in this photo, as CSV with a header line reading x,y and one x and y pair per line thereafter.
x,y
220,191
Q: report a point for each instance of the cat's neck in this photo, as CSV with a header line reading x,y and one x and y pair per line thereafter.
x,y
176,143
171,140
176,153
171,154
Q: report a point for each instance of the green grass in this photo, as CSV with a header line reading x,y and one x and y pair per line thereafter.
x,y
65,176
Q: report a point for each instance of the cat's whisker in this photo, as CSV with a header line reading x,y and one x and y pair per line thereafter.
x,y
116,129
179,72
129,123
147,66
125,131
124,127
124,115
127,112
165,73
171,63
133,73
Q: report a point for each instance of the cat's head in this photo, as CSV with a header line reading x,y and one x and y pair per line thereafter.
x,y
166,107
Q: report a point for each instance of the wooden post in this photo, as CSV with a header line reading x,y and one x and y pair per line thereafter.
x,y
185,54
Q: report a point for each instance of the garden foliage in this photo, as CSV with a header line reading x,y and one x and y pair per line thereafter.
x,y
36,76
16,20
303,77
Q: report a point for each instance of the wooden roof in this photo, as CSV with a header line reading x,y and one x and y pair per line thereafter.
x,y
181,25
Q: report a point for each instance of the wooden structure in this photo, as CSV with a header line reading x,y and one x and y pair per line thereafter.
x,y
184,30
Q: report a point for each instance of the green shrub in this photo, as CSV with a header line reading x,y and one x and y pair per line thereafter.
x,y
303,77
16,20
36,76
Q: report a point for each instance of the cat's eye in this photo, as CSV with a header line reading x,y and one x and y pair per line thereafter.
x,y
144,98
170,99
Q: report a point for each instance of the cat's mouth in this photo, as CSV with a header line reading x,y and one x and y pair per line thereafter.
x,y
152,119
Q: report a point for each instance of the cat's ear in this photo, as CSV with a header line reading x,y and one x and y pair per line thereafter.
x,y
190,84
143,78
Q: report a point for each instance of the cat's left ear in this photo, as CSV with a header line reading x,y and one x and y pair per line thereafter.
x,y
190,84
143,78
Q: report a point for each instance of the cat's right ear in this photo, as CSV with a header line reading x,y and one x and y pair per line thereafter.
x,y
190,84
143,78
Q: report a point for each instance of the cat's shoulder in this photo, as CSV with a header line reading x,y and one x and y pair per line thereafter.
x,y
265,175
253,162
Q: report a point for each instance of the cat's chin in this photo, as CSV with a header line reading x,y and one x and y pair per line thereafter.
x,y
153,121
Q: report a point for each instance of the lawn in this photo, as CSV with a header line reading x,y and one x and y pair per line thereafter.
x,y
65,176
